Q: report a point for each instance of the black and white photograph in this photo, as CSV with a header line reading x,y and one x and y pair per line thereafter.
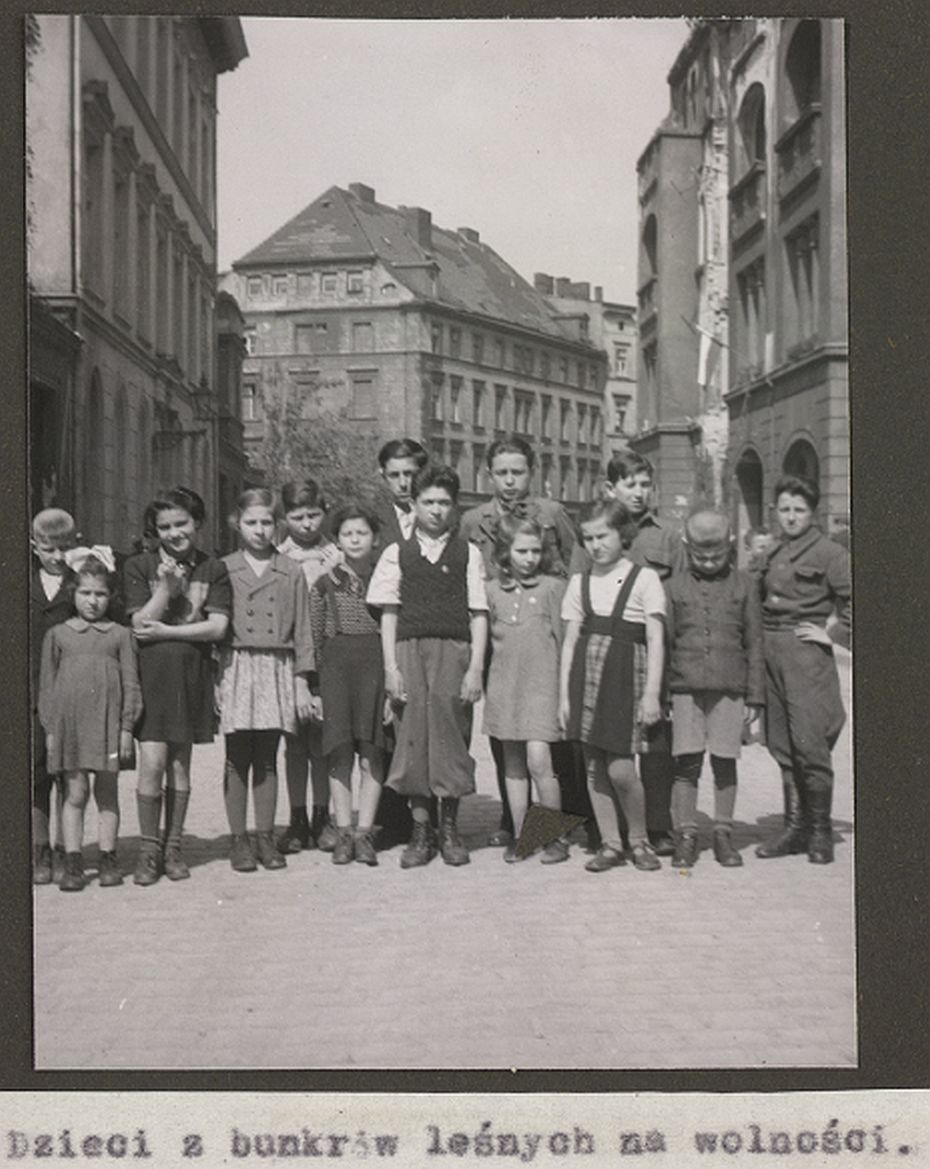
x,y
440,535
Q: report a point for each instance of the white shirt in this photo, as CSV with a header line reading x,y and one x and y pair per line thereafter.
x,y
384,586
405,520
647,597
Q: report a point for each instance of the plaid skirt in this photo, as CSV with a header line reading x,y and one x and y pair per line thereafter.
x,y
595,650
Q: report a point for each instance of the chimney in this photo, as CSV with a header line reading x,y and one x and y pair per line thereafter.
x,y
542,282
580,291
470,234
563,286
420,225
362,193
598,293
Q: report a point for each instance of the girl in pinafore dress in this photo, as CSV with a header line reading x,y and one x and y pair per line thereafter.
x,y
88,703
263,687
522,699
347,644
611,674
178,600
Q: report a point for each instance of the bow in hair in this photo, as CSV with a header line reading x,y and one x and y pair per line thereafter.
x,y
75,557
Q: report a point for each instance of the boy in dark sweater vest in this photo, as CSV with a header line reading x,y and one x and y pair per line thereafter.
x,y
434,627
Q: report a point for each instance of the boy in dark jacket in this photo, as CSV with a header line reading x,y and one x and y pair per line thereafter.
x,y
716,679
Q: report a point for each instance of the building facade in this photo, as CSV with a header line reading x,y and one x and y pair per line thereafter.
x,y
611,327
399,326
742,270
121,130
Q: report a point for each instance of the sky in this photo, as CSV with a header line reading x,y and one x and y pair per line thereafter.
x,y
527,131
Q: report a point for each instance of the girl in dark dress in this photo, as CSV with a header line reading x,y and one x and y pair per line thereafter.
x,y
611,674
347,641
179,602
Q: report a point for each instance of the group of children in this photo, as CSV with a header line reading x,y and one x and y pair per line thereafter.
x,y
369,634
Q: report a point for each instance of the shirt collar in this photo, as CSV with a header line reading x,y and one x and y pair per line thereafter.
x,y
798,547
79,625
188,562
649,519
436,541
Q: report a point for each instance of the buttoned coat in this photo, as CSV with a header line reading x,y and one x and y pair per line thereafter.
x,y
479,526
271,611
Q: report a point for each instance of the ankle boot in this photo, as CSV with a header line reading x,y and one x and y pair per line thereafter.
x,y
796,833
686,849
298,834
148,865
365,847
72,879
108,871
42,864
268,856
420,850
344,852
820,848
451,845
241,856
724,852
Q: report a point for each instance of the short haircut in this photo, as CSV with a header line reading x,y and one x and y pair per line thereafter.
x,y
623,464
182,498
436,475
353,510
798,485
616,514
254,497
53,523
508,528
708,526
402,448
752,533
512,445
306,493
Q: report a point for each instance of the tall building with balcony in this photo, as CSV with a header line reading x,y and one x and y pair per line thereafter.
x,y
611,327
376,314
788,390
121,127
742,270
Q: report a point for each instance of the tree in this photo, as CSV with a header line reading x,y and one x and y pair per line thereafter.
x,y
307,436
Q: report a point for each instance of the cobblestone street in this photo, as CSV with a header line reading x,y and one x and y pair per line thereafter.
x,y
489,965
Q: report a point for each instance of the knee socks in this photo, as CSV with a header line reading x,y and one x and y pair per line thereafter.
x,y
685,791
724,790
175,812
256,751
149,812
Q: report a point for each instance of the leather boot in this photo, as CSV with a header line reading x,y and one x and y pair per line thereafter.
x,y
267,853
796,834
108,871
241,856
365,847
686,849
42,864
344,852
72,880
820,848
451,845
724,852
420,850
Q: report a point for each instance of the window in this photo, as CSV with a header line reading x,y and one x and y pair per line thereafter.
x,y
595,426
355,284
162,34
193,122
437,413
523,412
478,457
92,220
251,403
501,349
363,394
530,361
621,354
363,339
751,125
435,334
803,70
500,407
565,421
801,315
455,403
304,285
455,341
518,359
279,286
751,287
619,413
321,340
650,244
177,100
254,287
563,370
143,270
328,283
161,288
388,288
303,338
177,305
582,424
477,407
565,476
250,337
477,348
546,416
545,366
191,321
545,475
455,456
206,165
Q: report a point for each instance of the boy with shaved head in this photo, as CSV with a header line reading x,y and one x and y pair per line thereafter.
x,y
716,679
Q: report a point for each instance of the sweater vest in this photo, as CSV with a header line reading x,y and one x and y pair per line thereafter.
x,y
434,597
